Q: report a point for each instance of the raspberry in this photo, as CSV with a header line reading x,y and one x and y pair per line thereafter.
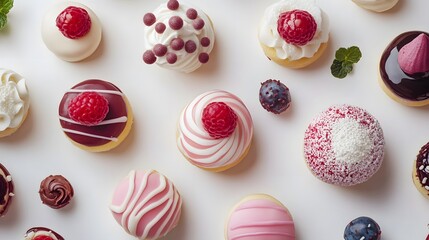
x,y
88,108
74,22
274,96
219,120
296,27
43,238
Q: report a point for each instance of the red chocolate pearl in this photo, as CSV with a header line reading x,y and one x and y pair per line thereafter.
x,y
190,46
177,44
159,50
171,58
203,57
173,4
198,23
149,57
160,27
192,13
205,41
175,22
149,19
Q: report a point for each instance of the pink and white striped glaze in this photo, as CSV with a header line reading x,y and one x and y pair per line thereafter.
x,y
146,204
260,217
203,150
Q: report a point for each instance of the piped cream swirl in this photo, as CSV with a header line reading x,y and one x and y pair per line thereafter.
x,y
197,145
376,5
270,37
14,99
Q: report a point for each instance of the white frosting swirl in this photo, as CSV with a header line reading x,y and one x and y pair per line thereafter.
x,y
196,143
186,62
376,5
270,37
14,99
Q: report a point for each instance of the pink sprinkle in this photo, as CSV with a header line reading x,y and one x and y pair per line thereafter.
x,y
173,5
177,44
190,46
198,23
192,13
171,58
149,57
149,19
205,41
160,27
159,50
175,22
203,57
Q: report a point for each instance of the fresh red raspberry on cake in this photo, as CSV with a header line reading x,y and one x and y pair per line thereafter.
x,y
219,120
88,108
74,22
296,27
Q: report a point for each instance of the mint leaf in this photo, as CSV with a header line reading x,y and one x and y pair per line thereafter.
x,y
3,20
340,69
344,60
353,54
341,54
5,6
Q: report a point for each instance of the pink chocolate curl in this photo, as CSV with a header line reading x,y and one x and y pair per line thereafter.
x,y
414,57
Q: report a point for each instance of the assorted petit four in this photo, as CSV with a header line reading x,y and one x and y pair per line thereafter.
x,y
6,190
404,69
362,228
344,145
14,101
178,36
56,191
42,233
376,5
215,131
95,115
260,217
294,33
71,31
274,96
146,204
421,171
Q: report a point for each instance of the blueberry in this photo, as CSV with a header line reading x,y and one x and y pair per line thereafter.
x,y
274,96
362,228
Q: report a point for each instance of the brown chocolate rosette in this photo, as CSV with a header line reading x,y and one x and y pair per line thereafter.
x,y
56,191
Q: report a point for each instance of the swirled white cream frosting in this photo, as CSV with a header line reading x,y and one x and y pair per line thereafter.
x,y
186,62
14,99
71,50
203,150
376,5
270,37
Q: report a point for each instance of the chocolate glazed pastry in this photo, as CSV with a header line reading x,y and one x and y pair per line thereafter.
x,y
41,232
411,88
56,191
421,171
6,190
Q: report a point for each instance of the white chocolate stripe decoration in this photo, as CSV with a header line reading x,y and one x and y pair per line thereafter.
x,y
199,146
90,135
105,122
96,90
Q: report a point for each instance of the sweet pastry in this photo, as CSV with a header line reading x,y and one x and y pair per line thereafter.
x,y
362,228
260,217
404,69
14,102
215,131
146,204
344,145
42,233
71,31
376,5
95,115
274,96
178,37
6,190
294,33
421,171
56,191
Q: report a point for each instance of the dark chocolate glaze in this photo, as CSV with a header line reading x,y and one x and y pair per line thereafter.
x,y
117,108
56,191
6,188
411,87
37,229
422,166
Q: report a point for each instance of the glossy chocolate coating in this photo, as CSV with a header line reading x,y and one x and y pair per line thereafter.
x,y
411,87
56,191
117,108
6,190
422,167
32,231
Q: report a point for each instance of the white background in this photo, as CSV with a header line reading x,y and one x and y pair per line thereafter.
x,y
275,164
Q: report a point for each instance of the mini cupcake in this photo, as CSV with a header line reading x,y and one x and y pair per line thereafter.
x,y
178,37
376,5
421,171
6,190
294,33
39,233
